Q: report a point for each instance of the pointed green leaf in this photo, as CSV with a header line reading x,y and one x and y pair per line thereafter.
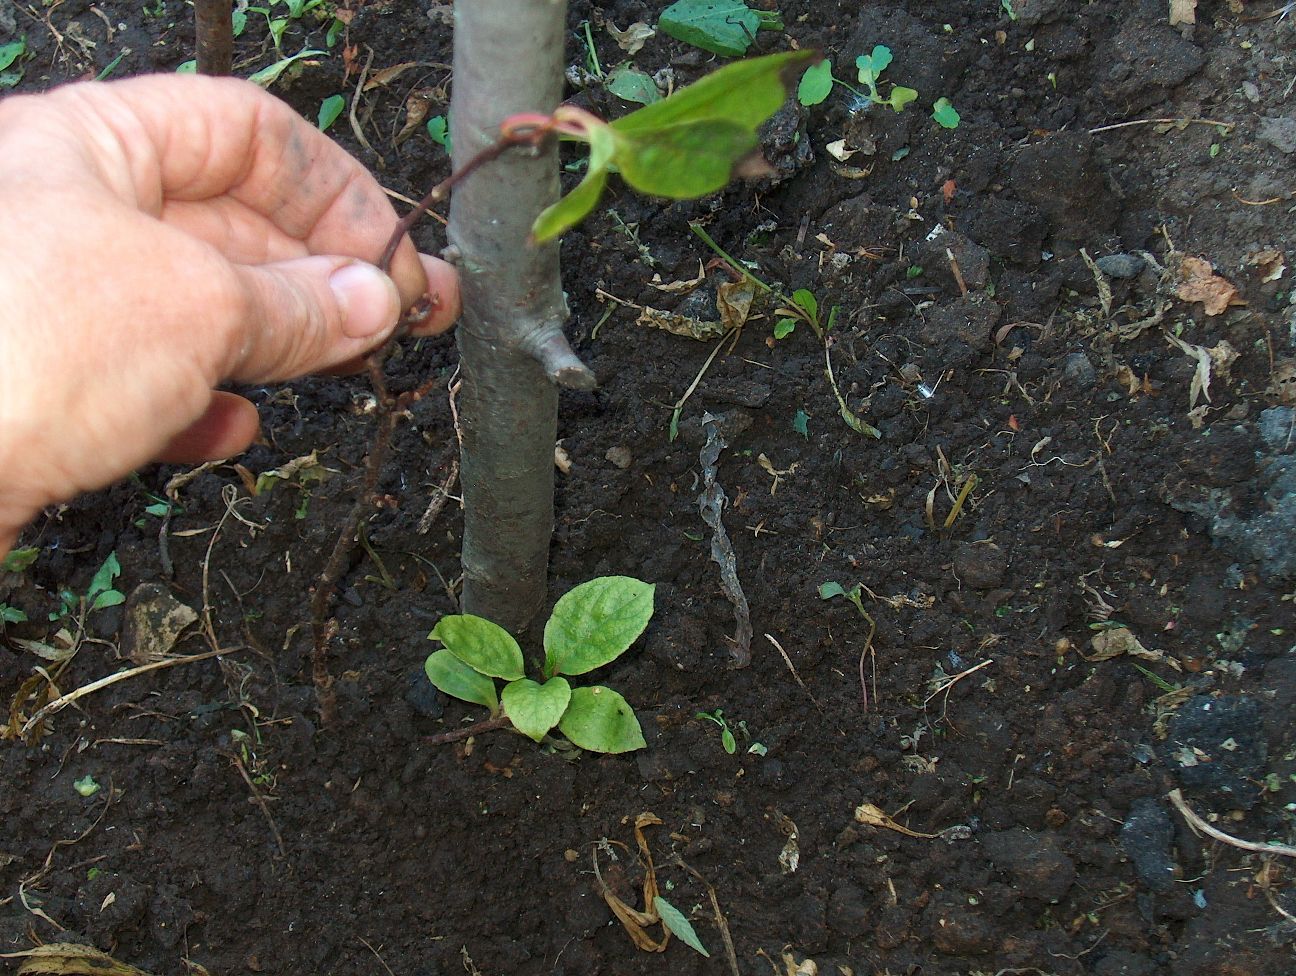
x,y
900,97
535,708
19,559
595,622
719,26
108,598
575,206
816,84
268,76
628,82
103,578
784,328
679,926
683,161
449,674
805,298
746,93
329,111
483,646
598,719
829,590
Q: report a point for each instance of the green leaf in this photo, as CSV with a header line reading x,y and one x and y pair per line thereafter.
x,y
829,590
595,622
535,708
628,82
747,93
719,26
872,65
11,52
806,300
598,719
727,740
816,83
450,675
482,645
103,579
801,423
679,926
11,615
575,206
784,328
19,559
329,111
683,161
268,76
187,68
438,129
108,598
86,785
945,114
900,97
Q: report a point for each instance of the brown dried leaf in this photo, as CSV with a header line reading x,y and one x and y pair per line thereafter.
x,y
1271,264
1183,12
633,37
385,76
417,107
1199,283
873,816
681,325
1115,641
734,301
682,287
71,959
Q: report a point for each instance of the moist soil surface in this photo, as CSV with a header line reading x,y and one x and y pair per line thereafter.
x,y
1074,554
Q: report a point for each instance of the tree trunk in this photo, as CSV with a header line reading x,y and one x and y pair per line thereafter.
x,y
508,58
214,36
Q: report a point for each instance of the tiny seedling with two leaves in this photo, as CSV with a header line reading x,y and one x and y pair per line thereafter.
x,y
818,80
591,626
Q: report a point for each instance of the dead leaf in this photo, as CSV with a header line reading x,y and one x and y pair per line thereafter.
x,y
633,37
1115,641
873,816
1183,12
72,960
633,920
682,287
305,469
1282,382
789,858
1199,283
948,189
1270,264
734,301
681,325
562,460
1218,358
840,151
385,76
417,108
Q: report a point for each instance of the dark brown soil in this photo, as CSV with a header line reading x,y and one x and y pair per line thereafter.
x,y
990,719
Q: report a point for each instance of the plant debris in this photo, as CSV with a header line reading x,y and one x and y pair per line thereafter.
x,y
711,502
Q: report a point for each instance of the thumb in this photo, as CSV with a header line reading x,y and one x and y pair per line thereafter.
x,y
307,315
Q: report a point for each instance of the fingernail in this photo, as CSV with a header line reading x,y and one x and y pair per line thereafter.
x,y
368,299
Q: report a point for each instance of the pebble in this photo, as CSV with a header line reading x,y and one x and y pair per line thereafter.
x,y
620,456
421,696
1120,265
1079,372
1146,838
1278,429
1279,133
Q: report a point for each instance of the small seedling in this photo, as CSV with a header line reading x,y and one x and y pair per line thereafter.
x,y
803,307
11,55
86,786
438,129
726,734
591,626
945,114
831,589
99,596
726,27
871,67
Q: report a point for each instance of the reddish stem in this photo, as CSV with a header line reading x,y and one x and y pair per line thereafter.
x,y
468,731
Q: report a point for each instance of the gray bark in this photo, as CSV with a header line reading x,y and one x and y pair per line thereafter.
x,y
508,58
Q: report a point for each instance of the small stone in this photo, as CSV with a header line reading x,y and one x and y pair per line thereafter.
x,y
154,621
422,696
1120,265
1251,92
1079,372
620,456
980,566
1278,429
1279,133
1146,838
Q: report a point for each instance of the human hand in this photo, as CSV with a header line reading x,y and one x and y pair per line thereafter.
x,y
166,235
